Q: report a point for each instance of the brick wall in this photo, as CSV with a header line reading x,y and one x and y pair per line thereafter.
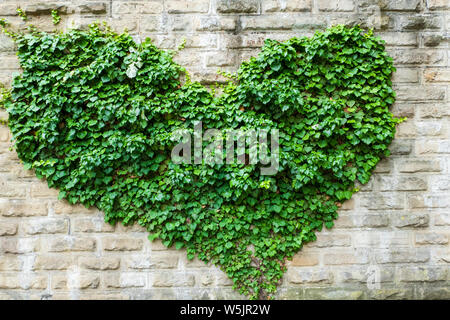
x,y
396,228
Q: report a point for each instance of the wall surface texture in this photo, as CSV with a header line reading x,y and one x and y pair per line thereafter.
x,y
395,230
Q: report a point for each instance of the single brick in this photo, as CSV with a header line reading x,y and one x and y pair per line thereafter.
x,y
423,274
71,244
286,6
8,228
169,279
19,245
382,201
414,166
403,255
10,263
436,75
411,220
213,24
345,257
193,6
438,4
403,5
420,93
46,226
20,208
237,6
339,6
442,219
90,225
102,263
406,75
331,240
53,262
125,280
419,22
122,244
432,238
304,258
156,260
309,276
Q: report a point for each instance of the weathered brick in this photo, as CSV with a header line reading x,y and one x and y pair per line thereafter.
x,y
53,262
436,75
438,4
221,59
381,239
41,190
406,75
215,23
10,263
8,9
125,280
426,147
399,38
42,8
8,228
150,7
12,189
345,257
102,263
288,5
71,244
19,245
402,183
411,220
92,8
414,166
403,5
403,255
169,279
428,201
331,240
380,201
122,244
419,22
311,276
156,260
75,281
150,23
401,147
418,56
442,219
403,110
304,258
237,6
431,238
19,208
8,281
433,39
193,6
371,220
90,225
341,6
423,274
6,43
46,226
420,93
361,274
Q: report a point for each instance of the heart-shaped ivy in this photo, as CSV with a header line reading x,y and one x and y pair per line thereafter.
x,y
93,113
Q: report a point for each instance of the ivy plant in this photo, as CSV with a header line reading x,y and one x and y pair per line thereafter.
x,y
93,111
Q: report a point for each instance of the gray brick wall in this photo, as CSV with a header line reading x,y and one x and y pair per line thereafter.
x,y
395,230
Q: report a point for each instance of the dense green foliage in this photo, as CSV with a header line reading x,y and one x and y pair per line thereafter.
x,y
93,113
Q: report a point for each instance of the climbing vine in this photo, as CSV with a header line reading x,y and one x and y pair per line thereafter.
x,y
93,111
